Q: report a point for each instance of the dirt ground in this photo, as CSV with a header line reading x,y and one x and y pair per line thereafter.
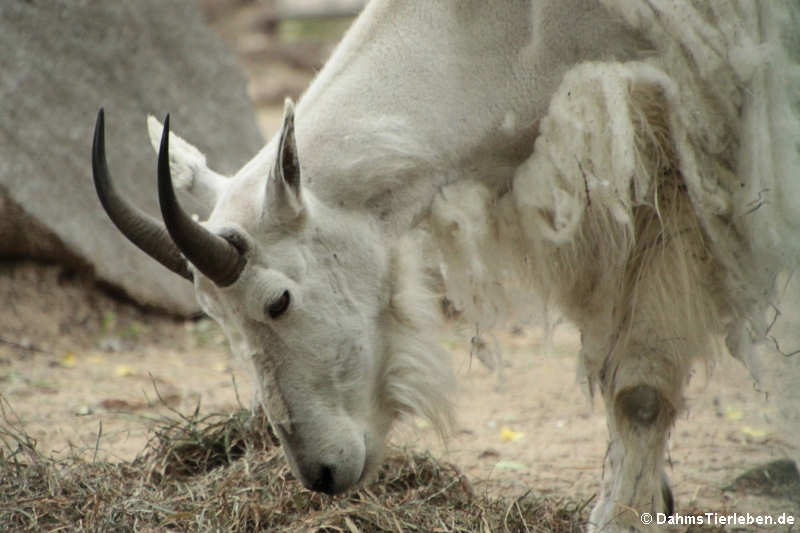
x,y
85,372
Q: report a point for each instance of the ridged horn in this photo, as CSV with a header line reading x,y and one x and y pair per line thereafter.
x,y
212,255
141,229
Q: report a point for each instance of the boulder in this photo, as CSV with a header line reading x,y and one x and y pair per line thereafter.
x,y
62,61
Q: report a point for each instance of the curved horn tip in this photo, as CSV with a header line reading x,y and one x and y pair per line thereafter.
x,y
99,165
99,129
143,231
166,194
164,135
209,253
99,126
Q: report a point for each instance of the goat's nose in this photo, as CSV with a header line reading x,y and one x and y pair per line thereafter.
x,y
324,482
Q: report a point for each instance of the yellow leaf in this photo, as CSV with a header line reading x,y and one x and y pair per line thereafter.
x,y
509,435
756,433
124,370
68,360
220,367
732,413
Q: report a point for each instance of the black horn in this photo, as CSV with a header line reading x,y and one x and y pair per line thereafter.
x,y
140,228
212,255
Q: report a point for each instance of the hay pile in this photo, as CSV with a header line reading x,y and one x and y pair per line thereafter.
x,y
226,473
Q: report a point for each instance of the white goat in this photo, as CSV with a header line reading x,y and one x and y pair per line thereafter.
x,y
610,151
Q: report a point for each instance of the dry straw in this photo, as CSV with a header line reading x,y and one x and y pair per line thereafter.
x,y
226,473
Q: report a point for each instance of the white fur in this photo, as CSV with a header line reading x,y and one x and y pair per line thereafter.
x,y
660,125
188,167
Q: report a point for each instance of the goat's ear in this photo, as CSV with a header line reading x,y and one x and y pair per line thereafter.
x,y
283,185
188,167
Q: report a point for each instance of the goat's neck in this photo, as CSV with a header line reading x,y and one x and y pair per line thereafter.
x,y
460,82
434,82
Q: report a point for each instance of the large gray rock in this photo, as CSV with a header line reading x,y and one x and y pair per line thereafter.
x,y
61,61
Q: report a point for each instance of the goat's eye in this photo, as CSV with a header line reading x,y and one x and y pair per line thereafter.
x,y
279,306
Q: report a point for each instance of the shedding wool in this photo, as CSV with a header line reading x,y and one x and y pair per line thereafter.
x,y
666,188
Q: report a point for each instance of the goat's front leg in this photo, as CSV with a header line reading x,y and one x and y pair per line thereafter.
x,y
642,394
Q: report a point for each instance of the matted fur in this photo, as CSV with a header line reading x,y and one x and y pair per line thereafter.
x,y
606,217
621,146
736,72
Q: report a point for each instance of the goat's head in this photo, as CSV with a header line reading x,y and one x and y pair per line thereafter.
x,y
304,289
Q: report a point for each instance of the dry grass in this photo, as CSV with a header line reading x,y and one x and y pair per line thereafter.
x,y
227,473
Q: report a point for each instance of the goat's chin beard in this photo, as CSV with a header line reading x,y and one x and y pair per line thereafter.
x,y
372,465
375,446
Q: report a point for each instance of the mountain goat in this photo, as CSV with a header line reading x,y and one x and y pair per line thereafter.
x,y
637,159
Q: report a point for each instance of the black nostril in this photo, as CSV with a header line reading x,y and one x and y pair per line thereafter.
x,y
324,482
